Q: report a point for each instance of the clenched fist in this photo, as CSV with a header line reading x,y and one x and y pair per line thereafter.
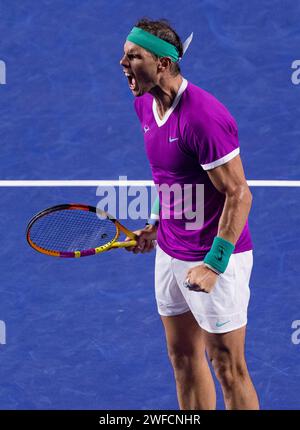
x,y
145,241
201,278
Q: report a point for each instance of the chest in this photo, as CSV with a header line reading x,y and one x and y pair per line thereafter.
x,y
165,146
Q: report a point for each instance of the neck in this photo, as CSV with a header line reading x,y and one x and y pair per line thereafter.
x,y
165,92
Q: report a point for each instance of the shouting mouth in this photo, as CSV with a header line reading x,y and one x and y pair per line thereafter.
x,y
131,81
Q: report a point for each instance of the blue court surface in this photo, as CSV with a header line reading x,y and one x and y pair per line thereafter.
x,y
85,333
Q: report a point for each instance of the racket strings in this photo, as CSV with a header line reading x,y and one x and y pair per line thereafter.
x,y
72,230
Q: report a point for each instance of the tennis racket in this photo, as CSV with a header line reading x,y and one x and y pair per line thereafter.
x,y
75,230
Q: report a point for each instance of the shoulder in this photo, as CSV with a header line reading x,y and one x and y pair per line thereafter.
x,y
202,111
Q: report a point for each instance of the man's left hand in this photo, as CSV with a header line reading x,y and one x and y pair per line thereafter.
x,y
201,278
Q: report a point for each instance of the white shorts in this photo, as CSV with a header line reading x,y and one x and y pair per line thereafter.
x,y
222,310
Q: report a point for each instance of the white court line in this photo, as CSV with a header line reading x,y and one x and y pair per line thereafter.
x,y
111,183
262,183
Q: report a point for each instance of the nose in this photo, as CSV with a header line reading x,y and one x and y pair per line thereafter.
x,y
123,61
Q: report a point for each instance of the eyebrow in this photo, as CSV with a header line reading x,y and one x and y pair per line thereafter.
x,y
131,51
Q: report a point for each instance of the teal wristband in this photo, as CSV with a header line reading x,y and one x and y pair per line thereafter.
x,y
154,217
219,254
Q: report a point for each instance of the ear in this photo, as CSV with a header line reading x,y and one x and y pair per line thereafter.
x,y
164,63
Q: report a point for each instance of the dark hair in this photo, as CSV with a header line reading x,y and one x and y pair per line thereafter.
x,y
162,29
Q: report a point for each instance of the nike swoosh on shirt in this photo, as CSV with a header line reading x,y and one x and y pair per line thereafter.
x,y
171,139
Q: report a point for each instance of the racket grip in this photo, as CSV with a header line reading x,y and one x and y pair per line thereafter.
x,y
127,244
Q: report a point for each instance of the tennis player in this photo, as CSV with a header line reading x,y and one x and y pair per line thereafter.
x,y
201,275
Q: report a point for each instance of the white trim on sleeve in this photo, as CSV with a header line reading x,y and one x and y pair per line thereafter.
x,y
222,160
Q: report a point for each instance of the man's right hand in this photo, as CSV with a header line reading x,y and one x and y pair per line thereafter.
x,y
146,240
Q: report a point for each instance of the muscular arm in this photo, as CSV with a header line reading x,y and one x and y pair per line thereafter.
x,y
230,180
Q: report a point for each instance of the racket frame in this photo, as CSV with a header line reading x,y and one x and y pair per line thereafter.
x,y
113,243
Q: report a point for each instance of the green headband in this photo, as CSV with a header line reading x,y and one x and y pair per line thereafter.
x,y
152,43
